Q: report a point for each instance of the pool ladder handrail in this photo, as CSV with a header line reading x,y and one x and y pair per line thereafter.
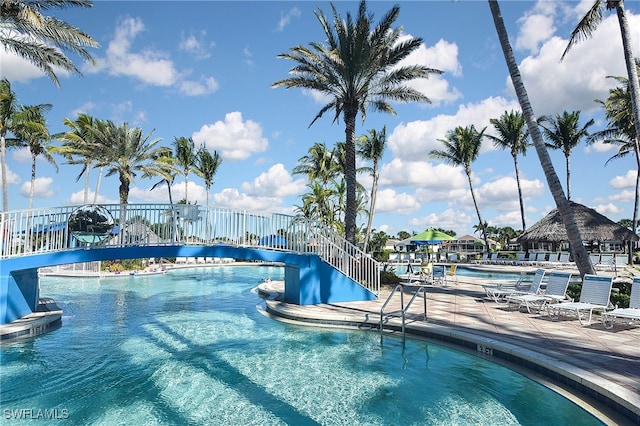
x,y
421,289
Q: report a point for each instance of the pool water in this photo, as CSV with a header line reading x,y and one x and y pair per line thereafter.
x,y
191,348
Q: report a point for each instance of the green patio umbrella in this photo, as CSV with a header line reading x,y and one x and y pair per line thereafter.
x,y
431,236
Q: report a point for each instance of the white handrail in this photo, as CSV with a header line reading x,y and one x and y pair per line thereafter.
x,y
46,230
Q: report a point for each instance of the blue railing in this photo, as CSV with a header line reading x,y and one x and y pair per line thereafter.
x,y
26,232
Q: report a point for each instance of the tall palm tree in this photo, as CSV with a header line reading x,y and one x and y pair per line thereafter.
x,y
621,131
579,252
207,166
125,151
43,40
30,129
461,148
78,147
167,171
563,132
514,136
185,157
357,68
8,107
585,29
371,147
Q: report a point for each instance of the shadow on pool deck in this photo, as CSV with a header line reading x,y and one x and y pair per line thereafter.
x,y
601,364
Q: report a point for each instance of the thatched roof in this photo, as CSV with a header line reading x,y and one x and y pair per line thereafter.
x,y
592,225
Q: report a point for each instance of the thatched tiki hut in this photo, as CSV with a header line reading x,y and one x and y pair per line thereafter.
x,y
594,229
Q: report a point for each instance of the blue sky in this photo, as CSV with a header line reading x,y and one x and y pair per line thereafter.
x,y
204,69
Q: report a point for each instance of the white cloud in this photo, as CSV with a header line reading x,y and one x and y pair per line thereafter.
x,y
414,140
596,58
16,69
276,182
233,138
21,155
536,26
204,86
149,66
196,45
232,198
77,198
442,56
388,200
285,18
627,180
42,188
448,219
608,209
12,178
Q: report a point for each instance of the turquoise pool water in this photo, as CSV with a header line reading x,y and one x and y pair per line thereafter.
x,y
191,348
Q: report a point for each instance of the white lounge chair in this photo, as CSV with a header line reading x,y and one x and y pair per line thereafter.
x,y
594,296
500,294
629,315
606,262
555,292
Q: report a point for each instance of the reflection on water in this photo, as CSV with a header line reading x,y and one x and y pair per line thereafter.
x,y
190,347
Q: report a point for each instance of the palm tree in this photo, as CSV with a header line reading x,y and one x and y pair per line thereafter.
x,y
8,107
30,129
357,68
78,147
580,254
514,136
165,169
185,157
461,148
207,165
319,163
127,152
42,40
371,147
562,132
585,29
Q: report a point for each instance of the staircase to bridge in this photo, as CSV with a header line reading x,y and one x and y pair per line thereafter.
x,y
320,265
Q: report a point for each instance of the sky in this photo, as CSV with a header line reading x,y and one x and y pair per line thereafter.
x,y
204,69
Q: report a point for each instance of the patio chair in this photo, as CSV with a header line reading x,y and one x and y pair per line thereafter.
x,y
606,262
438,275
594,296
500,293
555,292
629,315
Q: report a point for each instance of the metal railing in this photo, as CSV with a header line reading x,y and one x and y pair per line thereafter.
x,y
25,232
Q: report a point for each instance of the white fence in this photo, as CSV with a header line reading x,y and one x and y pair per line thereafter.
x,y
25,232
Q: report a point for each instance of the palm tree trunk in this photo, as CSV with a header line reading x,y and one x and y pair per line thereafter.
x,y
86,185
475,203
579,252
515,163
95,195
372,206
632,70
32,189
350,174
568,164
5,185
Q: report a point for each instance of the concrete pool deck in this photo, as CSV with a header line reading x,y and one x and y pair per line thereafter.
x,y
601,364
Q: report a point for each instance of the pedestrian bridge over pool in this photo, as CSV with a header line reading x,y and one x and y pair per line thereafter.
x,y
320,266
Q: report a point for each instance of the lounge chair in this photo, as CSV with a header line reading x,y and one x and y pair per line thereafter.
x,y
594,296
563,260
555,292
628,315
606,262
500,294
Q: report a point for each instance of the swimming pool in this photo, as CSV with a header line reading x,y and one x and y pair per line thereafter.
x,y
190,347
